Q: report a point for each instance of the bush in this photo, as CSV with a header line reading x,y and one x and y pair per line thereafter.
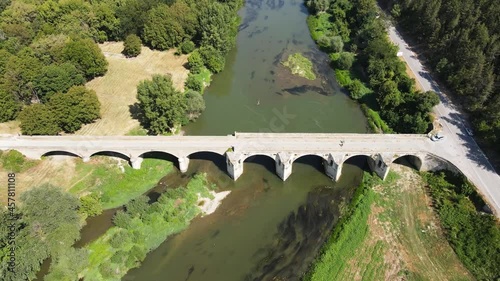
x,y
90,205
194,83
355,89
345,60
195,62
195,104
122,219
213,60
186,47
120,239
132,46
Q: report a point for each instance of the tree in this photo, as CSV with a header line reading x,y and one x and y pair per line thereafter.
x,y
345,60
195,104
213,59
194,83
218,26
57,79
76,107
355,89
86,56
52,216
161,30
186,47
132,46
9,107
37,119
195,62
20,72
163,106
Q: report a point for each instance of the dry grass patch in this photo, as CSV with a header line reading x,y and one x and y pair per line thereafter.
x,y
410,74
11,128
117,89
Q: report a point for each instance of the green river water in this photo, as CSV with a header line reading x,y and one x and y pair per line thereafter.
x,y
265,228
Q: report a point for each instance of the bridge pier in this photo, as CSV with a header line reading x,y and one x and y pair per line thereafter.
x,y
183,164
379,166
136,162
234,165
283,165
332,169
85,159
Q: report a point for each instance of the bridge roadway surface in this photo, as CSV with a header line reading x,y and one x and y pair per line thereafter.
x,y
390,146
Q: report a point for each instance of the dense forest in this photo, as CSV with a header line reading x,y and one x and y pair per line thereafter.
x,y
48,50
367,66
461,41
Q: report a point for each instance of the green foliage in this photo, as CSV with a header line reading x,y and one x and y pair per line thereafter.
x,y
57,79
145,230
212,59
137,206
218,27
122,219
38,119
67,265
77,107
163,106
132,46
300,65
195,62
114,186
20,72
86,56
474,236
14,161
90,205
186,47
195,104
194,83
9,107
345,60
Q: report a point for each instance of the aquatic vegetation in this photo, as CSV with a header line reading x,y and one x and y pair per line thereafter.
x,y
300,65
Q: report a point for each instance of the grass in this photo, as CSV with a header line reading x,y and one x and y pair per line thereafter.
x,y
205,76
14,161
137,131
117,89
300,65
391,233
118,183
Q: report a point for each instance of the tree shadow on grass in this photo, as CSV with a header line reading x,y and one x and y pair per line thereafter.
x,y
138,114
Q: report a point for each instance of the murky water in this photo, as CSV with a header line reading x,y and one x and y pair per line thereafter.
x,y
265,228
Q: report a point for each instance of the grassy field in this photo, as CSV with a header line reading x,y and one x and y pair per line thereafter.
x,y
117,89
394,234
113,179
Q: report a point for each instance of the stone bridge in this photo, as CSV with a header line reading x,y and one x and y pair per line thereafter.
x,y
284,148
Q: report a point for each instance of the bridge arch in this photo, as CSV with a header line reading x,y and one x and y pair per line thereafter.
x,y
409,160
111,153
314,160
219,160
161,155
60,153
268,161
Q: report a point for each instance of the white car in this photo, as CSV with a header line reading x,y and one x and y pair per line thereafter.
x,y
437,137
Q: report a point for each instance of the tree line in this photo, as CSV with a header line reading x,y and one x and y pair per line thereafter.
x,y
367,65
48,47
460,41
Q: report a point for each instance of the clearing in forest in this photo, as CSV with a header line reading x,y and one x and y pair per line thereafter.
x,y
117,89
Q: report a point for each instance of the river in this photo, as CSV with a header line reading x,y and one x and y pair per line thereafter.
x,y
265,228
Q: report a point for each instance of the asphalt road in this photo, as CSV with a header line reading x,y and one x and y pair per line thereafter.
x,y
457,140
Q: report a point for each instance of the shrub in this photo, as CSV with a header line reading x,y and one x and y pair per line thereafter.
x,y
195,104
186,47
122,219
345,60
195,62
120,239
37,119
14,161
355,89
213,59
90,205
194,83
132,46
